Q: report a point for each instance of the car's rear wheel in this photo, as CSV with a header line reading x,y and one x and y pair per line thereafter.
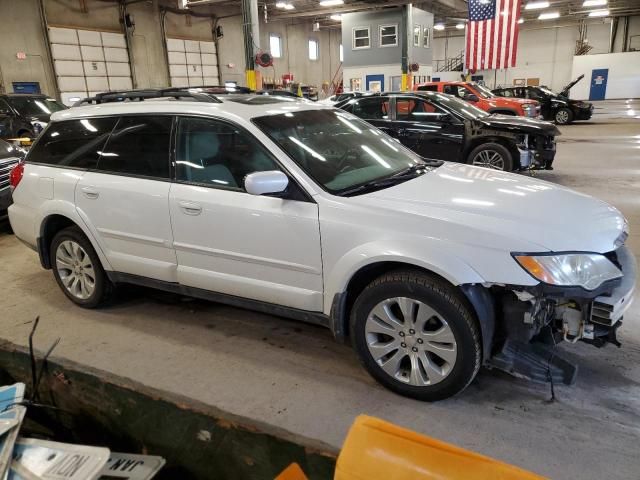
x,y
416,336
77,269
491,155
563,116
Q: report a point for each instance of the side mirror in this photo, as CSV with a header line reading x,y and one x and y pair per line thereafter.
x,y
471,97
262,183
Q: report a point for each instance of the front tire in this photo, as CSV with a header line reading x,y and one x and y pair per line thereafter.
x,y
563,116
491,155
77,269
416,336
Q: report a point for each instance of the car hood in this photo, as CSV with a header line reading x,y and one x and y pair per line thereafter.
x,y
570,85
520,124
480,205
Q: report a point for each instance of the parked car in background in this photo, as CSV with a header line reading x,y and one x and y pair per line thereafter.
x,y
554,106
440,126
10,155
429,269
340,97
25,115
483,98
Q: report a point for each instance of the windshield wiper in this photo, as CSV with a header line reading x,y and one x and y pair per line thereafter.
x,y
407,174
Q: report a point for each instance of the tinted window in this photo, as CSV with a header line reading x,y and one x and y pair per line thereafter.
x,y
416,109
4,108
371,108
218,154
138,146
428,88
29,106
72,143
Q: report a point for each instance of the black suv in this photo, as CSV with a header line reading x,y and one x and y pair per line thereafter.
x,y
557,107
23,115
440,126
9,157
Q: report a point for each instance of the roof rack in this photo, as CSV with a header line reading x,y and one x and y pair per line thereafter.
x,y
218,89
145,94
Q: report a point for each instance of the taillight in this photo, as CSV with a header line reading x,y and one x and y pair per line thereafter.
x,y
16,175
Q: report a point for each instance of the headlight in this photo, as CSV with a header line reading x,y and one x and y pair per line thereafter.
x,y
586,270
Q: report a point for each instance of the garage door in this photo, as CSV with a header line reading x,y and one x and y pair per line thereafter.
x,y
192,63
87,62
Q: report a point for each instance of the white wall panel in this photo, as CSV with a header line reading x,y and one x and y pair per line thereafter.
x,y
209,71
209,59
65,52
178,58
97,83
91,53
178,70
70,68
63,35
192,46
118,69
113,40
194,58
211,81
179,81
194,70
89,37
195,81
116,55
175,45
207,47
95,69
70,84
120,83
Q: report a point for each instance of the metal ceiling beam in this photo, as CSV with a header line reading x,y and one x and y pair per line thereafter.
x,y
347,8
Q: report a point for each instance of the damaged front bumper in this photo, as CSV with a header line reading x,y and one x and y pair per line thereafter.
x,y
531,321
536,152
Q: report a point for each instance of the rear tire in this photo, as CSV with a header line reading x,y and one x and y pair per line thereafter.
x,y
77,269
564,116
491,155
416,336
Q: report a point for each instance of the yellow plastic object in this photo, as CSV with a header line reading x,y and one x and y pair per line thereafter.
x,y
377,450
292,472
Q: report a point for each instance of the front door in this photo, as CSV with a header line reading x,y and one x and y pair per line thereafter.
x,y
427,129
125,202
598,88
229,241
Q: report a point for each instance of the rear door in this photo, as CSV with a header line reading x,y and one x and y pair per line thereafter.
x,y
125,200
427,129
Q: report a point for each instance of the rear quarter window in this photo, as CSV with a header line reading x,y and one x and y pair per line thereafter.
x,y
72,143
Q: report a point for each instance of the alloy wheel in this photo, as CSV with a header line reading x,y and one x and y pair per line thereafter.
x,y
562,117
75,269
410,341
489,159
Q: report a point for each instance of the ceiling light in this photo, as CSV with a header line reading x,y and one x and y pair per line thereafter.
x,y
594,3
331,3
521,20
438,26
336,17
280,5
460,26
285,5
536,5
599,13
548,15
288,6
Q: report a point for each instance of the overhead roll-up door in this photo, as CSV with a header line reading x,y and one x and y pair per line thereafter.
x,y
87,62
192,62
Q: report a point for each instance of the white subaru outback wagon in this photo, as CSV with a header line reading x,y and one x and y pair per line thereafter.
x,y
430,269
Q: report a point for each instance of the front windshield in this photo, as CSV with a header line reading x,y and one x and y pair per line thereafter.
x,y
462,108
33,106
484,90
336,149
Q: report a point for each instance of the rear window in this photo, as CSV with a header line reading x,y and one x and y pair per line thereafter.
x,y
72,143
139,145
428,88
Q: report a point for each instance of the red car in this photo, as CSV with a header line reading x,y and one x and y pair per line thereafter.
x,y
483,98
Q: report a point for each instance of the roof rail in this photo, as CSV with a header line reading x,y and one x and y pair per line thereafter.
x,y
219,89
145,94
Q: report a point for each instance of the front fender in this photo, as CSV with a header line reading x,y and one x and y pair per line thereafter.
x,y
429,254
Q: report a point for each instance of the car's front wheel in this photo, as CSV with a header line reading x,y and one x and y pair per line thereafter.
x,y
491,155
563,116
77,269
416,336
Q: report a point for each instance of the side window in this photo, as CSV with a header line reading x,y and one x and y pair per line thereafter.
x,y
505,93
72,143
139,145
4,108
374,108
430,88
416,109
451,90
218,154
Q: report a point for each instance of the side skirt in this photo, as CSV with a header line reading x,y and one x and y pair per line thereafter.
x,y
315,318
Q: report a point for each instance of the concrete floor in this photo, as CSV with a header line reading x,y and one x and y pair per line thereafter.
x,y
294,376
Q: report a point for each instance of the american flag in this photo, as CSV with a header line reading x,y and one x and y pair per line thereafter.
x,y
492,34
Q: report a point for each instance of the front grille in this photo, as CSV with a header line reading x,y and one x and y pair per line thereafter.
x,y
6,165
